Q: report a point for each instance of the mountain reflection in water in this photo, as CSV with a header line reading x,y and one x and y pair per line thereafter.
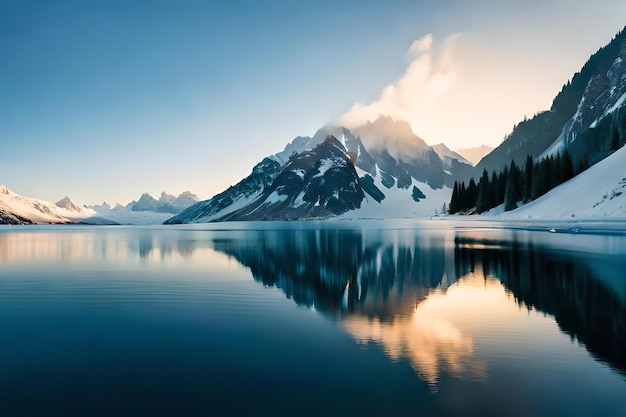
x,y
406,291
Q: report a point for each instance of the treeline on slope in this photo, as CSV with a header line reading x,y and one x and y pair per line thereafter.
x,y
532,136
514,184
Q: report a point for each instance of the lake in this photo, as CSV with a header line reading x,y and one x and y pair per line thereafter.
x,y
352,318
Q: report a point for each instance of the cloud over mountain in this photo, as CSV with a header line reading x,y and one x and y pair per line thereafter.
x,y
432,70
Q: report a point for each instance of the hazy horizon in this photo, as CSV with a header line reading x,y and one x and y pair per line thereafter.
x,y
106,101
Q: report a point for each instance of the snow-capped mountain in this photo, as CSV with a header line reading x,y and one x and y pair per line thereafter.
x,y
447,155
454,164
68,205
167,203
15,209
318,183
146,210
335,173
583,116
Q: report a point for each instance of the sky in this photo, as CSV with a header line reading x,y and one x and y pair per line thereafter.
x,y
102,100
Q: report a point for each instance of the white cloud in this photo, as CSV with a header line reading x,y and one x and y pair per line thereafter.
x,y
420,46
430,72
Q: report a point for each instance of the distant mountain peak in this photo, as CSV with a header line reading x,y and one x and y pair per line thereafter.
x,y
4,190
447,155
167,203
475,154
189,194
67,204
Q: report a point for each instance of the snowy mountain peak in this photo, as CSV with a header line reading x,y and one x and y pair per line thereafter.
x,y
16,209
67,204
447,155
189,194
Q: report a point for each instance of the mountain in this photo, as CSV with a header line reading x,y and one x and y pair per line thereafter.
x,y
166,203
15,209
146,210
447,155
600,191
381,169
68,205
455,165
582,118
474,155
376,285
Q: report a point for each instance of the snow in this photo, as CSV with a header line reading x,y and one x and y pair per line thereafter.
x,y
299,200
557,146
399,203
275,197
328,163
239,203
599,192
299,144
617,104
124,215
39,211
300,173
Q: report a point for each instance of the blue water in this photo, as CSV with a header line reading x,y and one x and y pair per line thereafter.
x,y
336,318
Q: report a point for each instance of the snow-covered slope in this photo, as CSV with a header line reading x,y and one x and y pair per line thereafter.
x,y
599,191
39,211
125,215
399,203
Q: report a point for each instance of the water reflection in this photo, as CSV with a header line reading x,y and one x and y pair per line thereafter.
x,y
583,303
420,295
109,245
399,289
381,285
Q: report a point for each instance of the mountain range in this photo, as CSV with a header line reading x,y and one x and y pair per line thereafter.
x,y
378,170
581,119
382,169
16,209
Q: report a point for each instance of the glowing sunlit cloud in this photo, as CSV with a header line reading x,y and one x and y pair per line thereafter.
x,y
430,72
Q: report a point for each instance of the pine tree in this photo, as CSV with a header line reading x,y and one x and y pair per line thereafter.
x,y
493,190
502,186
512,193
454,200
484,199
472,194
464,205
528,178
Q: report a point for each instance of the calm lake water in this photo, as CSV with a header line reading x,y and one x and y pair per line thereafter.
x,y
321,319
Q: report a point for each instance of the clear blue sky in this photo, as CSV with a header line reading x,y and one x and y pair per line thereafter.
x,y
104,100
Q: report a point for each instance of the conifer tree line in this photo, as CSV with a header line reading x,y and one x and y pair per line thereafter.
x,y
514,184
